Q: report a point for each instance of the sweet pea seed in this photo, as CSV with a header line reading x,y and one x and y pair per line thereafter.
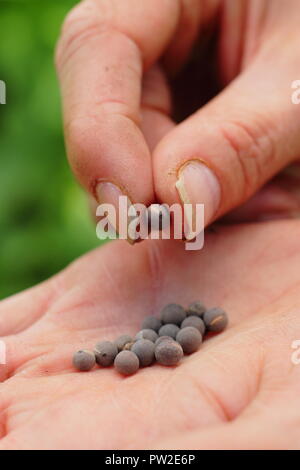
x,y
173,313
163,338
194,321
169,330
126,362
168,353
105,353
122,340
147,334
215,319
84,360
128,346
144,349
189,338
196,308
151,323
158,217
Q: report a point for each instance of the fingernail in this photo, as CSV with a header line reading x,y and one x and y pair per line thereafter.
x,y
197,184
109,193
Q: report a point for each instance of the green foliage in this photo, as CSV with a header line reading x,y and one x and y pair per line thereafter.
x,y
44,219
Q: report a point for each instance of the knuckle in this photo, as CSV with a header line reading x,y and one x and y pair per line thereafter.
x,y
252,147
82,21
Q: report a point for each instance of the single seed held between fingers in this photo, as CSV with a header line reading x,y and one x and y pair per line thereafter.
x,y
158,217
122,340
105,352
190,339
215,319
169,330
194,321
144,349
126,362
168,353
147,334
84,360
152,323
196,308
173,313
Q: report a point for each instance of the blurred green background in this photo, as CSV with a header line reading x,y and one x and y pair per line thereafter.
x,y
44,221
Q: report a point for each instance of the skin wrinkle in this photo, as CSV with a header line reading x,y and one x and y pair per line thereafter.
x,y
245,240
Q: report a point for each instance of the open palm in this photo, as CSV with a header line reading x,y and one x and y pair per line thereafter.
x,y
240,390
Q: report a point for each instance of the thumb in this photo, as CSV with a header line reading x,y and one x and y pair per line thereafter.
x,y
226,151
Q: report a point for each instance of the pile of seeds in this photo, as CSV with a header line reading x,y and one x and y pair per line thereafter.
x,y
164,340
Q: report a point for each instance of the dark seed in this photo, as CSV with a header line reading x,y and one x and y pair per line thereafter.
x,y
168,353
169,330
105,353
215,319
158,217
196,308
122,340
163,338
128,346
84,360
147,334
173,313
126,362
144,349
151,323
194,321
189,338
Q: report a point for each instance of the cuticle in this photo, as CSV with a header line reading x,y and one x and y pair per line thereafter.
x,y
104,180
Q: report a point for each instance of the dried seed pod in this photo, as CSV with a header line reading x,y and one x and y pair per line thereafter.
x,y
105,353
151,323
169,330
168,353
144,349
84,360
122,340
147,334
190,339
126,362
215,319
194,321
173,313
196,308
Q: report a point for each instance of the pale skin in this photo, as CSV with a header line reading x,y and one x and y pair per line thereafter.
x,y
239,391
114,61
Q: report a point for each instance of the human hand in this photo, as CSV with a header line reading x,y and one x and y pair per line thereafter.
x,y
240,390
113,61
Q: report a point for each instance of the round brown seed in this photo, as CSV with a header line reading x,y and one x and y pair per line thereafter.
x,y
173,313
194,321
168,353
122,340
126,362
215,319
169,330
84,360
189,338
196,308
151,323
128,346
147,334
105,353
144,349
163,338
